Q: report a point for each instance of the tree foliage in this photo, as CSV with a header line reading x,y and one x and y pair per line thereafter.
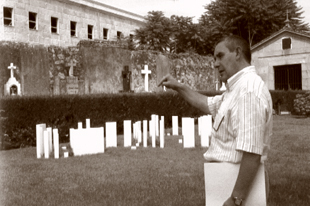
x,y
254,20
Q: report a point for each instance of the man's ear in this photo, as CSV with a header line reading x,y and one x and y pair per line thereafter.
x,y
239,54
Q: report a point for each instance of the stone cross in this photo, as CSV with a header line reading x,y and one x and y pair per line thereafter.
x,y
71,64
11,67
146,77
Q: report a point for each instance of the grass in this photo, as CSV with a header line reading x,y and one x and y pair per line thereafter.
x,y
148,176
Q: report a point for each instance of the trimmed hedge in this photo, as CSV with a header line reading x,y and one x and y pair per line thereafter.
x,y
284,100
21,114
302,104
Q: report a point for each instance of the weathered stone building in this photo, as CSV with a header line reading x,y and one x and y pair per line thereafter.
x,y
283,60
64,22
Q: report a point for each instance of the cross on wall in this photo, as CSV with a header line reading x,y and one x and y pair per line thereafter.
x,y
71,64
11,67
146,73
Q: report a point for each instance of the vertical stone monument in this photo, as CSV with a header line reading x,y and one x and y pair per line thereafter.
x,y
126,74
162,69
12,87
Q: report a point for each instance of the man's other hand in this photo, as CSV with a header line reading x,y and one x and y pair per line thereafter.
x,y
169,82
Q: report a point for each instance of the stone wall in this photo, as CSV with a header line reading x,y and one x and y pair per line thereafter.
x,y
83,12
97,67
32,68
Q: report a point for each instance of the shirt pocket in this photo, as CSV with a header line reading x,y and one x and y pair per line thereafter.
x,y
218,121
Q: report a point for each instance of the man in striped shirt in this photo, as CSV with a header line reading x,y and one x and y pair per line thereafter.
x,y
242,114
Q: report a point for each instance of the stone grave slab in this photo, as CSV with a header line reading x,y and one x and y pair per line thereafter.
x,y
188,132
40,139
56,143
72,85
87,141
152,130
111,134
175,125
205,123
162,132
46,144
127,133
145,133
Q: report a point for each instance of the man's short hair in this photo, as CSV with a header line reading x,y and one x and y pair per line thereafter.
x,y
233,41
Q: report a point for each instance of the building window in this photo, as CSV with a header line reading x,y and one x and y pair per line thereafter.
x,y
286,43
105,33
54,25
8,16
33,21
288,77
131,37
119,35
90,31
73,28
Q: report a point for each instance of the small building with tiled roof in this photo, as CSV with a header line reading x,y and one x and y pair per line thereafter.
x,y
283,60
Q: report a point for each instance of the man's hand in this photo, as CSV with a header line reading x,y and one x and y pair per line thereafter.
x,y
169,82
229,202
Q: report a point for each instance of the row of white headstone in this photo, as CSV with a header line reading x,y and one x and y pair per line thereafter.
x,y
90,140
46,139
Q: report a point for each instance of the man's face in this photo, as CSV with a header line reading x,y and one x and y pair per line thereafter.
x,y
224,61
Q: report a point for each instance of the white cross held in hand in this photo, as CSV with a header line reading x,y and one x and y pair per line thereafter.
x,y
11,67
146,77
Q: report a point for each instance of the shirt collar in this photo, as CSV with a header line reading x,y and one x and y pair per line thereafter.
x,y
233,79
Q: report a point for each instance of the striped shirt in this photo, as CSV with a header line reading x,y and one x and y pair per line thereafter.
x,y
242,118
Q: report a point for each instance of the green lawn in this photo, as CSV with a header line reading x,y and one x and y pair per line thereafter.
x,y
148,176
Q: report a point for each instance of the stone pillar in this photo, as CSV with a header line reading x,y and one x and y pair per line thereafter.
x,y
56,90
86,85
162,69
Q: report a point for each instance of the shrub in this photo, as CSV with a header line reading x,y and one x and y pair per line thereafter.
x,y
302,104
284,99
65,111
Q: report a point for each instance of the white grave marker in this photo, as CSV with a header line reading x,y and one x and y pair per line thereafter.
x,y
87,141
50,139
175,125
162,132
188,132
46,144
127,133
152,130
87,123
146,73
144,133
139,132
40,139
111,134
156,125
206,128
80,125
56,143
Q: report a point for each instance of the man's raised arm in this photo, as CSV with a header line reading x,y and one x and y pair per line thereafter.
x,y
194,98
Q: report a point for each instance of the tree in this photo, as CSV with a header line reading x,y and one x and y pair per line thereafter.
x,y
254,20
186,34
156,33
